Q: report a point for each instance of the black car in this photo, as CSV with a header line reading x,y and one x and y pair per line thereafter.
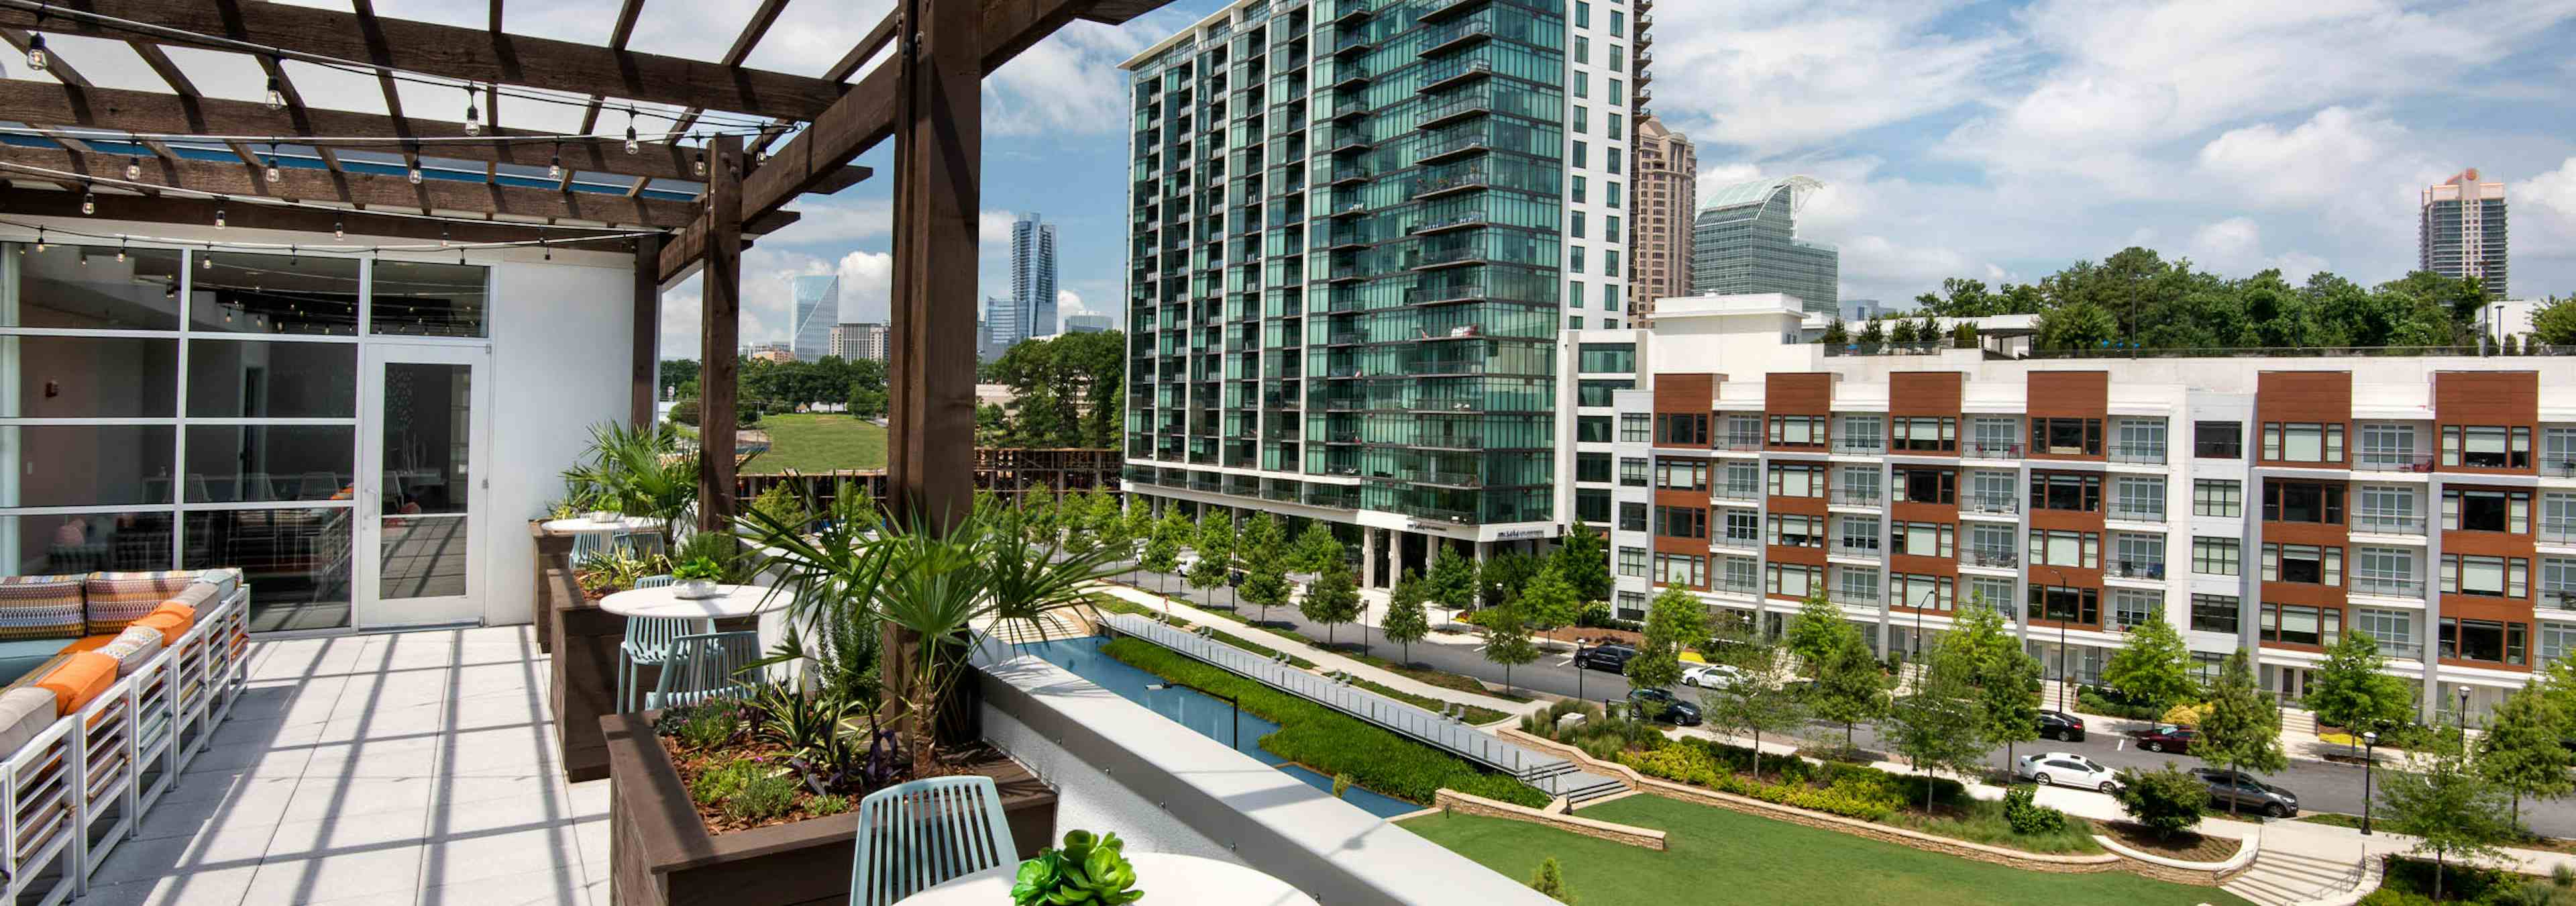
x,y
1610,657
1665,707
2247,793
2061,726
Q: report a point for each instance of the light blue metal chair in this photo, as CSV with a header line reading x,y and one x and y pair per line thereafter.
x,y
648,642
924,833
587,545
702,667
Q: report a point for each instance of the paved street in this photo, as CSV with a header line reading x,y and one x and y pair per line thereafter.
x,y
2321,786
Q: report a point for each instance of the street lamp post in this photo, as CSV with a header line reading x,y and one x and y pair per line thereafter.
x,y
1237,741
2065,680
2369,740
2464,720
1928,598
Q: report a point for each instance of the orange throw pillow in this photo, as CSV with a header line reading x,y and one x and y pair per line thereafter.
x,y
172,625
81,678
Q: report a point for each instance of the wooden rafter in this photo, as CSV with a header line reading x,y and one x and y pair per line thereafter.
x,y
618,35
761,19
461,53
74,85
32,202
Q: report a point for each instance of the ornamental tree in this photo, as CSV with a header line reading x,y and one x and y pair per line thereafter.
x,y
1405,621
2153,667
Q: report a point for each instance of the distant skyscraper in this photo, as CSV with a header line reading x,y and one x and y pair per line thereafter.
x,y
1665,193
859,340
1033,275
2460,231
1088,323
1003,327
1743,241
818,307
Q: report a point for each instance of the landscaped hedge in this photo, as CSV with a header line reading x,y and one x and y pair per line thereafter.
x,y
1851,791
1332,742
2095,700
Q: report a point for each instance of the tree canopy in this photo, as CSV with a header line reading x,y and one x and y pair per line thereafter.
x,y
2138,296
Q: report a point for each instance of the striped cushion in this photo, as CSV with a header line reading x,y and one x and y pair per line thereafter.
x,y
118,599
40,607
132,648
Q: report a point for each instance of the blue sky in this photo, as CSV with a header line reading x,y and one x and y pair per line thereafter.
x,y
1999,140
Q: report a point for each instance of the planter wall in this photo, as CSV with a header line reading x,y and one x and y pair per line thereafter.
x,y
554,554
582,673
660,853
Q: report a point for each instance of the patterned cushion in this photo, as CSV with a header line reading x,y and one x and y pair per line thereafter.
x,y
133,648
40,607
23,714
118,599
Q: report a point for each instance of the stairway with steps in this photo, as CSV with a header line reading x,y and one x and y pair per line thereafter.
x,y
1577,785
2298,720
2279,879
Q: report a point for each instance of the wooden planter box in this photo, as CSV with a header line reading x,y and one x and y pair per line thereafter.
x,y
661,854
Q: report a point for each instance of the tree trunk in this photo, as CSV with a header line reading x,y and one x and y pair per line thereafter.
x,y
1757,756
2437,874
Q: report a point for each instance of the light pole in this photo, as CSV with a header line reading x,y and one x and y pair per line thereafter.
x,y
2065,680
1237,741
1928,597
2464,721
2369,739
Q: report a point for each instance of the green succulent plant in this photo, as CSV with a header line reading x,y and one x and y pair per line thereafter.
x,y
1085,870
700,568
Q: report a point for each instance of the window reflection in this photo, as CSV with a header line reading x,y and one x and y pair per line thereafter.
x,y
85,542
429,299
236,292
299,559
90,287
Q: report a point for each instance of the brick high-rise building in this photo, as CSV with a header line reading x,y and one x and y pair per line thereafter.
x,y
1665,193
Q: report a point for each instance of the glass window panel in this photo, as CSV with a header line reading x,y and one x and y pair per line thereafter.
x,y
424,556
298,558
259,463
86,465
85,542
272,379
53,288
90,377
283,294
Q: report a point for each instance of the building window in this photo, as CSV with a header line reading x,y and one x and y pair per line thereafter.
x,y
1923,433
2216,556
2483,640
1855,585
1681,569
2218,440
1592,505
2217,497
1743,480
1924,539
2139,556
2138,499
2214,613
1632,561
2061,491
1609,358
1681,522
2558,451
1859,433
1744,432
2486,511
2385,571
2386,510
2292,624
1685,429
1991,593
2299,501
2486,446
1859,534
2393,630
2082,550
2556,639
1990,544
1859,484
1797,480
1592,467
2494,577
1797,531
1743,527
1926,485
1595,392
2304,563
1632,517
1632,605
2303,441
1794,580
1743,574
2066,436
1592,429
2060,604
1634,428
1632,470
1797,430
2134,607
2386,446
1920,592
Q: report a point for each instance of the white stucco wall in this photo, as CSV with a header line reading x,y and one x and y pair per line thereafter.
x,y
560,364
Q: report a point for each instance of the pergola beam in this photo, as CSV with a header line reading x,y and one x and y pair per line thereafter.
x,y
455,52
27,202
364,189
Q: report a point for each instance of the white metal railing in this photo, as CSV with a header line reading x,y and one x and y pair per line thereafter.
x,y
2396,588
2387,524
2133,513
1455,737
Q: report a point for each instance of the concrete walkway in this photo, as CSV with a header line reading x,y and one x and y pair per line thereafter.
x,y
1324,660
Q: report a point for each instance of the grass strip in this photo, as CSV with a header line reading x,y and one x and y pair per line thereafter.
x,y
1258,648
1329,741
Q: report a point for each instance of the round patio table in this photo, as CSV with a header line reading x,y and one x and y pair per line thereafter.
x,y
1165,878
587,526
730,601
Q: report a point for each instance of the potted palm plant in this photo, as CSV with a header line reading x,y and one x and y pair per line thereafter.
x,y
640,471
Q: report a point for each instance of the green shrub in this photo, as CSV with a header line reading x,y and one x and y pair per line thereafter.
x,y
1851,791
2098,700
828,805
2167,800
1985,821
2409,882
1331,742
763,796
2027,816
723,782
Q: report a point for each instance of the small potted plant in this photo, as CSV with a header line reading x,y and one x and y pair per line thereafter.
x,y
1087,870
697,577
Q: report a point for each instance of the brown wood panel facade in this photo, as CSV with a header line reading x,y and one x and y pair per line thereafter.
x,y
2084,395
2509,399
1803,393
1685,393
2301,396
1924,393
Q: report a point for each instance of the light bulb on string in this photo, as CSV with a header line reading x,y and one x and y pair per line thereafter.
x,y
40,239
701,166
473,117
134,168
554,164
413,174
89,202
219,218
37,58
339,229
276,94
120,251
271,172
632,146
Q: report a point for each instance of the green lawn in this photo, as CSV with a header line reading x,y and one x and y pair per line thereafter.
x,y
1719,855
819,443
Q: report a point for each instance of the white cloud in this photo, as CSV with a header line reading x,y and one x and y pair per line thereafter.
x,y
2233,238
1069,303
2323,159
1776,74
2234,248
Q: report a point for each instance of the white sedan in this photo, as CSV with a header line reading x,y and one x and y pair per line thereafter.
x,y
2067,769
1711,676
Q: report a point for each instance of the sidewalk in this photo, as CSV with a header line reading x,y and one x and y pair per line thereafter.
x,y
1324,660
2298,738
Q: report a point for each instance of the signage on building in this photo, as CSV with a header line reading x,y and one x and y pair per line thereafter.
x,y
1520,534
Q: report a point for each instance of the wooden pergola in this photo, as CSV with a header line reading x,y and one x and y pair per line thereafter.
x,y
152,156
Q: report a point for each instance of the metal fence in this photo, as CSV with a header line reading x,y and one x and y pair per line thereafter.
x,y
1429,727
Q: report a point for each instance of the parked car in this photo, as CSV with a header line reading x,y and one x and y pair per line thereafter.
x,y
2061,726
2067,769
1672,710
1611,657
2247,793
1711,676
2165,738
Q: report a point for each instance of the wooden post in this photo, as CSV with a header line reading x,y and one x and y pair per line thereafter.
x,y
938,164
647,331
720,334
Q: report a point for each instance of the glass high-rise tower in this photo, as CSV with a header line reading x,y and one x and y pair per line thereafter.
x,y
1744,240
818,308
1033,275
1358,228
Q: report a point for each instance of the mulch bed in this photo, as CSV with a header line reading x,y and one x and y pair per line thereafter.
x,y
692,763
2185,846
1584,635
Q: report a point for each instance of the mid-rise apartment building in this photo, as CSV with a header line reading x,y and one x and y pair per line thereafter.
x,y
2265,503
859,340
1666,196
2460,231
1358,229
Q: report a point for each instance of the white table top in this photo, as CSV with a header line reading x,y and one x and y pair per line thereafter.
x,y
588,526
1164,877
733,601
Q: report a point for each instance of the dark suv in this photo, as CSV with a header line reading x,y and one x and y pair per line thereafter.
x,y
1611,657
1667,708
2061,726
2247,793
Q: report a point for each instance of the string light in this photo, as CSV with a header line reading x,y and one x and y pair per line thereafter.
x,y
120,251
701,165
272,163
339,228
37,58
632,146
413,174
89,201
219,217
276,94
554,165
40,239
473,117
134,168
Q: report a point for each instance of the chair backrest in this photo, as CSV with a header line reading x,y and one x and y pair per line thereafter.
x,y
923,833
702,666
660,633
655,581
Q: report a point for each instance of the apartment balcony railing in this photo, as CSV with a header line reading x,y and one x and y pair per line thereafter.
x,y
2387,524
1990,503
1736,543
2138,453
1457,36
1736,588
2557,531
2391,462
1848,548
1856,596
2133,513
2557,465
2558,598
1740,444
1984,450
1443,74
2395,588
1723,492
1856,496
1991,557
2402,651
1869,446
2136,569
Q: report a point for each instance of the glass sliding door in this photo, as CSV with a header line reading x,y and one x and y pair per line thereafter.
x,y
421,537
